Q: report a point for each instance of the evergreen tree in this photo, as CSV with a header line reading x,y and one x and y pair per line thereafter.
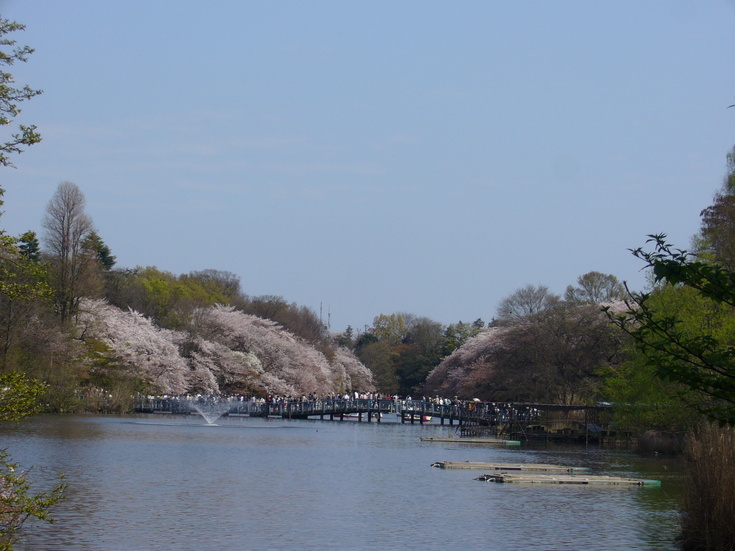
x,y
29,246
94,244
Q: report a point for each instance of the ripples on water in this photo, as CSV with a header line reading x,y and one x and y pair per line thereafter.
x,y
144,482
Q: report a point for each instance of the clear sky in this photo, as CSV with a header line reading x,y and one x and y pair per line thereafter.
x,y
372,157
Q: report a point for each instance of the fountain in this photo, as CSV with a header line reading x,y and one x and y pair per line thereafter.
x,y
210,409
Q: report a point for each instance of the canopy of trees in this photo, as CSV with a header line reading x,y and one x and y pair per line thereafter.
x,y
223,351
549,352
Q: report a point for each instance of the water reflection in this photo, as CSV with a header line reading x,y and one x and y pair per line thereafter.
x,y
142,482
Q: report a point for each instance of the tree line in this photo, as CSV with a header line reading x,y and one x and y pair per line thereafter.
x,y
71,321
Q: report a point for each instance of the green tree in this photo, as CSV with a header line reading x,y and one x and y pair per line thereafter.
x,y
379,357
29,246
346,339
695,350
391,328
219,282
11,97
401,350
97,249
19,396
421,352
456,334
642,401
23,285
20,278
163,297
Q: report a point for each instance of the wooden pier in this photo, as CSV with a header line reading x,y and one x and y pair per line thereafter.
x,y
540,467
539,473
567,479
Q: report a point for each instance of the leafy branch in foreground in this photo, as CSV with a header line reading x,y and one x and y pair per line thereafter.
x,y
698,353
17,504
19,396
11,96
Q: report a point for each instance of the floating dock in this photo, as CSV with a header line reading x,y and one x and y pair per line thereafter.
x,y
496,441
570,479
509,466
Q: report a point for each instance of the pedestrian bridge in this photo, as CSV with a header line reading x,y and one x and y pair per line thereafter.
x,y
367,408
474,418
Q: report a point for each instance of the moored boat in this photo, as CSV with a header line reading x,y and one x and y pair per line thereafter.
x,y
374,414
414,416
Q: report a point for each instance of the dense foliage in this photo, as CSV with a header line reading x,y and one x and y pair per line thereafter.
x,y
684,327
19,396
685,330
555,354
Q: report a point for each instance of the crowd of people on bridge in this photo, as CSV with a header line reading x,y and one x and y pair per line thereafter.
x,y
500,412
405,401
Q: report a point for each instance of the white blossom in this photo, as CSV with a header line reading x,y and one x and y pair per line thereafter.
x,y
136,342
224,347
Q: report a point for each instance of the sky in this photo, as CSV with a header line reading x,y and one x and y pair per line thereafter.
x,y
375,157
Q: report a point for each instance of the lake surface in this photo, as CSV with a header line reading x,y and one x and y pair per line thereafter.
x,y
173,482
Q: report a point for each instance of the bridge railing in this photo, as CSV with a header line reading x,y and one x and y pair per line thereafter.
x,y
280,408
505,417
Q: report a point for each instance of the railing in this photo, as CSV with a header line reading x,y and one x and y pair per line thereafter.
x,y
521,421
258,408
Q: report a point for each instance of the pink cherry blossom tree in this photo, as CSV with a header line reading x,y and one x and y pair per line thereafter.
x,y
224,350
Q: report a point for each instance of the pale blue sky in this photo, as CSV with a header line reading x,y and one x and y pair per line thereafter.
x,y
374,157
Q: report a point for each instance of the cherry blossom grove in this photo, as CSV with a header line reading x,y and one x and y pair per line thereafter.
x,y
223,349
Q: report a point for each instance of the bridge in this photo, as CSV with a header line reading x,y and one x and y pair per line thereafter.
x,y
473,418
339,408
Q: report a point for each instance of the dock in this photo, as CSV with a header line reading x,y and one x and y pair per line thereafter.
x,y
496,441
539,467
568,479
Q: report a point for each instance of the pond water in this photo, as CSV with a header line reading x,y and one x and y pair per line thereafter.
x,y
174,482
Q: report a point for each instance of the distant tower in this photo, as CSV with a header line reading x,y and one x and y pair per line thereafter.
x,y
328,326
